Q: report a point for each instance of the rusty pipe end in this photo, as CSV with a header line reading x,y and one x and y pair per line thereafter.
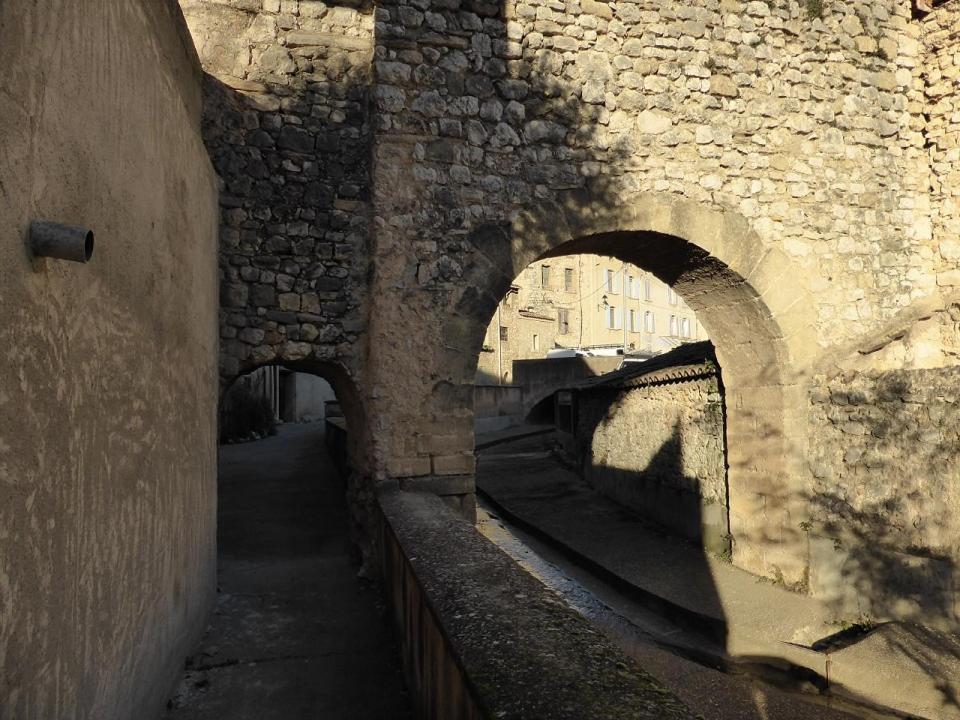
x,y
64,242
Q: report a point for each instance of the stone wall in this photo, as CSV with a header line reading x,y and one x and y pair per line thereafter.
x,y
542,378
659,449
108,377
883,506
941,71
770,160
782,145
287,125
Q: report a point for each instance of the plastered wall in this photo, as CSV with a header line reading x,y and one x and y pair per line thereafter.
x,y
107,370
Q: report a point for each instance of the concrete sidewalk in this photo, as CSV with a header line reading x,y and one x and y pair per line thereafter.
x,y
747,620
295,633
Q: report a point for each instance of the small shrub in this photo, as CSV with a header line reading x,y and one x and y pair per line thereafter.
x,y
245,413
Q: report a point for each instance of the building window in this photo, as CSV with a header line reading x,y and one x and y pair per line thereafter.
x,y
545,276
648,322
647,291
685,327
503,333
633,321
563,321
608,281
536,342
671,296
673,326
613,318
630,288
568,279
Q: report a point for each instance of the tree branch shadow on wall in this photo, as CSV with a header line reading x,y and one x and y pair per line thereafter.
x,y
877,572
888,549
661,491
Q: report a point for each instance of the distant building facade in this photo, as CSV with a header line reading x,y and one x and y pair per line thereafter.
x,y
587,302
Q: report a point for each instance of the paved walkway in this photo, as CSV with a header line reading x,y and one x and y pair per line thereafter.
x,y
746,620
295,633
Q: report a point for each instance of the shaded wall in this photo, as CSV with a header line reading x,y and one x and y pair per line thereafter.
x,y
305,397
659,450
497,406
108,375
287,125
884,524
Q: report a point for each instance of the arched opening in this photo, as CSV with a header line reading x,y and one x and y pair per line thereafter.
x,y
543,413
618,364
747,302
258,401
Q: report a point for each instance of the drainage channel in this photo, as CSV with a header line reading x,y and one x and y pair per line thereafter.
x,y
694,668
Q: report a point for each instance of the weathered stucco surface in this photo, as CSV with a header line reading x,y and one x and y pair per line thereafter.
x,y
108,397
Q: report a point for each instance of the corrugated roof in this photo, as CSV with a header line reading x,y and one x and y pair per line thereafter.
x,y
689,361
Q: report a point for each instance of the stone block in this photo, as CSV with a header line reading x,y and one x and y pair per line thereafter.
x,y
296,139
458,464
408,467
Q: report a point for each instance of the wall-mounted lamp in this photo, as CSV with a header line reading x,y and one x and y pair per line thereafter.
x,y
65,242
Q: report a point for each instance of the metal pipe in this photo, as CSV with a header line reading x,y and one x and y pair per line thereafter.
x,y
65,242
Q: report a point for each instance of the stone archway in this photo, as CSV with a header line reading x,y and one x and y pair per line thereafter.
x,y
358,482
752,304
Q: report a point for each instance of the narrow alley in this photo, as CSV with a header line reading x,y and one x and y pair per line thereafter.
x,y
295,633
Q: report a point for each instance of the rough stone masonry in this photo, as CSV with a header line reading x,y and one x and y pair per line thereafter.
x,y
789,167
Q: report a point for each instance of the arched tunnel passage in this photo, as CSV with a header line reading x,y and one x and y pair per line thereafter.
x,y
287,536
729,282
543,413
603,351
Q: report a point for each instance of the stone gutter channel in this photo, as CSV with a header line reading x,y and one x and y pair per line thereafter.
x,y
892,670
692,636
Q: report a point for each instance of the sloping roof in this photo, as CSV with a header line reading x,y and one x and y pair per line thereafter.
x,y
689,361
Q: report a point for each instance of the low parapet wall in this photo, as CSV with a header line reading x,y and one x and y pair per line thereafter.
x,y
496,407
541,378
480,638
